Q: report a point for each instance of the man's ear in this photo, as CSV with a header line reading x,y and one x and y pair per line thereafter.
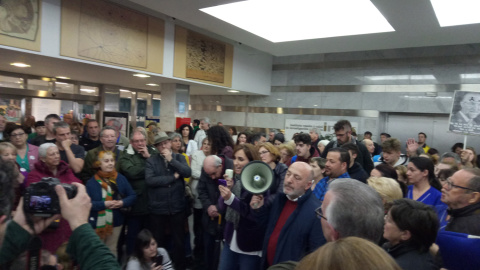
x,y
475,198
354,156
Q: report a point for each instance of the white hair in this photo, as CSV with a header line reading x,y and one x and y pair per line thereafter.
x,y
42,150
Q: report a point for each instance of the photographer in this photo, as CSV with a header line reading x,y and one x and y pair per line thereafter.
x,y
84,245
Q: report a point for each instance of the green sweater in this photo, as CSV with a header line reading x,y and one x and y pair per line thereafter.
x,y
84,246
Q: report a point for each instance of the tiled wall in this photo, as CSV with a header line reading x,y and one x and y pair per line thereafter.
x,y
415,81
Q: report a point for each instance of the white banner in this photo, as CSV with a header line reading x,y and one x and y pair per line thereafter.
x,y
293,126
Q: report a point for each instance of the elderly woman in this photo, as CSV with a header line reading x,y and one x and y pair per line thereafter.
x,y
411,228
388,188
270,155
370,146
50,165
243,236
110,192
27,154
287,151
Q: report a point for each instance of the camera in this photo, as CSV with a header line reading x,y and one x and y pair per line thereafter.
x,y
41,200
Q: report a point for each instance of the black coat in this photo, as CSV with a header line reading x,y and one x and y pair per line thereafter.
x,y
166,194
410,258
208,194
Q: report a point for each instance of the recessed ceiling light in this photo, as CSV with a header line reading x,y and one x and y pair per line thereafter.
x,y
20,64
315,105
141,75
233,91
123,90
87,90
153,84
456,12
279,99
307,19
63,77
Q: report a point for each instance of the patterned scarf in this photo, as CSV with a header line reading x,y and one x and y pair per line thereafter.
x,y
105,217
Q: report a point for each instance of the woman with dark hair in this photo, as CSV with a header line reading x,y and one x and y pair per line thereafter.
x,y
147,255
457,148
233,132
221,142
187,137
278,139
410,229
27,154
243,235
384,170
424,185
242,138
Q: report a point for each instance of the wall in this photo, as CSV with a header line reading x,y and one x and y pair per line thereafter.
x,y
360,86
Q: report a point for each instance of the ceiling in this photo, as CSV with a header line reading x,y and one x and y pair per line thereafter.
x,y
414,22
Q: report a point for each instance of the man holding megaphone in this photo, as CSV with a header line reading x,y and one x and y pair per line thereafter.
x,y
293,230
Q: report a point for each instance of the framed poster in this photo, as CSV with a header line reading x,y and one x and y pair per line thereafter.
x,y
117,119
465,113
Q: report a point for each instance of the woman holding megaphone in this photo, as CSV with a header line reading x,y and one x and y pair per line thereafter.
x,y
243,236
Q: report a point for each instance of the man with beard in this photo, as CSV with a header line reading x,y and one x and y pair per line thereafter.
x,y
293,231
338,160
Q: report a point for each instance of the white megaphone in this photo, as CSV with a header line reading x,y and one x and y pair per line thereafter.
x,y
256,177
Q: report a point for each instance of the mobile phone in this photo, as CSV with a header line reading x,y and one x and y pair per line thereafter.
x,y
222,182
159,260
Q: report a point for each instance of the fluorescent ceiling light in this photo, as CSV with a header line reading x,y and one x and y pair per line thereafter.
x,y
87,90
20,64
60,83
63,77
141,75
123,90
456,12
422,77
470,76
152,84
157,99
387,77
233,91
289,20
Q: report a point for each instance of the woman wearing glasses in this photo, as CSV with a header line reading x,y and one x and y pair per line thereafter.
x,y
410,229
27,154
269,154
424,186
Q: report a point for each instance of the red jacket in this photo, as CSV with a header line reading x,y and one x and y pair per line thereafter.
x,y
53,238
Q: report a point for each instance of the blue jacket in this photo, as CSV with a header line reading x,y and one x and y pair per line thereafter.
x,y
301,234
94,190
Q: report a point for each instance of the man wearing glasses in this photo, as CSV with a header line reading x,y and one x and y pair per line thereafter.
x,y
461,193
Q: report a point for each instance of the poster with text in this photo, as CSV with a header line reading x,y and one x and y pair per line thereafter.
x,y
293,126
464,116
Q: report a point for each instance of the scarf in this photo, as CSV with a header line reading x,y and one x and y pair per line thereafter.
x,y
232,215
105,217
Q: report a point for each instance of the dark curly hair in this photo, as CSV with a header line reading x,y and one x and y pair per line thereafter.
x,y
190,131
219,138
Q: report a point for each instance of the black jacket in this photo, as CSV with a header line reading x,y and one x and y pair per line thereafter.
x,y
208,194
166,195
465,220
363,157
358,173
410,258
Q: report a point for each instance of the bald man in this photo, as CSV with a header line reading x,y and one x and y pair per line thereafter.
x,y
293,230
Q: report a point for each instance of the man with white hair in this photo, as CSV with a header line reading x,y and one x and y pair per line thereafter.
x,y
351,208
213,169
202,132
122,141
293,231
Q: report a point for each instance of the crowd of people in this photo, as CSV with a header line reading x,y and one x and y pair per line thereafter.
x,y
175,199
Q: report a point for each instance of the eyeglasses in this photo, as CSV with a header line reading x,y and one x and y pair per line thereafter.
x,y
17,135
263,152
319,213
450,185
